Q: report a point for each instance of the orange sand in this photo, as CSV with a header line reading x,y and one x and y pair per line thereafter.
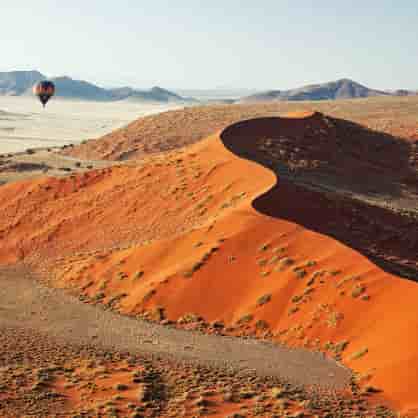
x,y
77,229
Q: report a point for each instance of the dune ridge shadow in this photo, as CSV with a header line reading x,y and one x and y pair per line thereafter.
x,y
326,170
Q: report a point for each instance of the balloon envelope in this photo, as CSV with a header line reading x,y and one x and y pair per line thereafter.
x,y
44,90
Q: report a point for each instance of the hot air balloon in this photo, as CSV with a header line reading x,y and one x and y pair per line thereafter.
x,y
44,90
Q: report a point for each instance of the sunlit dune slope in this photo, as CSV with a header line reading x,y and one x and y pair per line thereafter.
x,y
223,274
181,236
50,218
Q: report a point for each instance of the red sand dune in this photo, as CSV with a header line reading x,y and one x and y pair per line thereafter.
x,y
181,233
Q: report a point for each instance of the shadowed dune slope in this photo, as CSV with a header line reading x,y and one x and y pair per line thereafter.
x,y
200,232
341,152
329,170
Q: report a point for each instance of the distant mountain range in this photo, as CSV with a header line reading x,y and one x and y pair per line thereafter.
x,y
340,89
20,83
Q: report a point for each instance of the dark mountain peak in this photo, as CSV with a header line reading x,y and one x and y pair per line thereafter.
x,y
157,89
346,81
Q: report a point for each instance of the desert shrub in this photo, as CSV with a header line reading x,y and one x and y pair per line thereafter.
x,y
277,393
296,298
264,299
158,313
359,354
99,296
245,319
264,247
279,250
340,347
189,318
372,389
308,290
246,394
286,261
115,299
149,295
333,319
358,290
311,281
300,272
138,274
319,273
274,259
261,324
343,281
196,266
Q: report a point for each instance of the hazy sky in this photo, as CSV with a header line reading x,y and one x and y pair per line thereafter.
x,y
217,43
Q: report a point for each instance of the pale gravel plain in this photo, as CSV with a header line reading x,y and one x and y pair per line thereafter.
x,y
25,124
26,304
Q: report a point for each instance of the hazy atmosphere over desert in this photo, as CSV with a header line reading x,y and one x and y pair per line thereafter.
x,y
209,209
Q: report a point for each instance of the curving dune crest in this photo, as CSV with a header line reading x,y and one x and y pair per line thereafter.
x,y
186,235
337,178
